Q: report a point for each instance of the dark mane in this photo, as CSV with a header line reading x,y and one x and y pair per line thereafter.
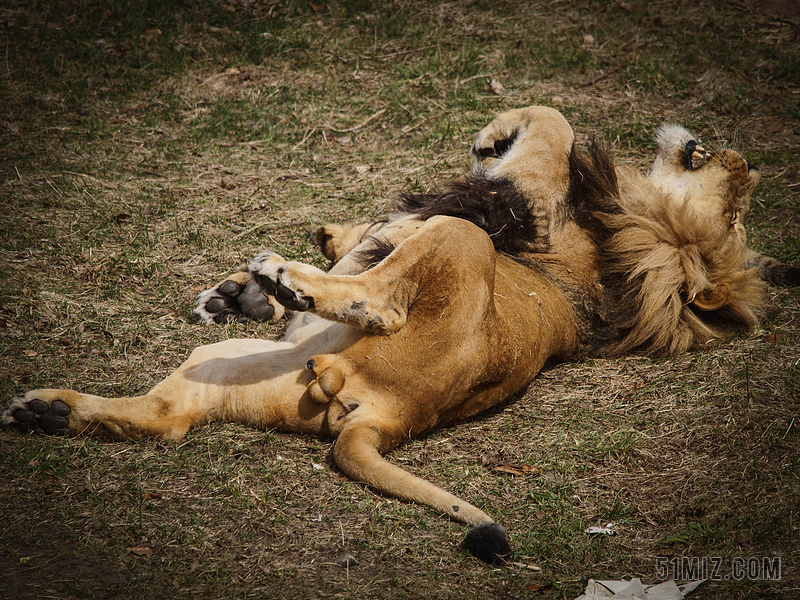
x,y
374,251
496,206
593,189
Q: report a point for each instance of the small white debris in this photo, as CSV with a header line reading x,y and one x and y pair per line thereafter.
x,y
607,530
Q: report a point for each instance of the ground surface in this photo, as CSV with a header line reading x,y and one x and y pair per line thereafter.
x,y
147,148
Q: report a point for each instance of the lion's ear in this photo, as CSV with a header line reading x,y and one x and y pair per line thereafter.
x,y
712,298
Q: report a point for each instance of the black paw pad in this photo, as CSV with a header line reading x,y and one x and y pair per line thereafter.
x,y
267,284
216,305
42,418
229,288
38,406
253,303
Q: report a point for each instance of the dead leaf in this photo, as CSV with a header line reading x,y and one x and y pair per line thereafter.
x,y
151,34
227,184
141,550
773,128
497,87
772,338
152,496
30,353
315,7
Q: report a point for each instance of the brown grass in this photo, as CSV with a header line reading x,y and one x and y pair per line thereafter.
x,y
137,171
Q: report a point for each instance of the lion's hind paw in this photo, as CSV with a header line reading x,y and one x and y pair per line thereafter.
x,y
37,415
236,299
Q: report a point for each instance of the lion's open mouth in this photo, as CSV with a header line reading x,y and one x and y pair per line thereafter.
x,y
696,155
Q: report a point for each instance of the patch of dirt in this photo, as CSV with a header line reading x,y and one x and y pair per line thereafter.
x,y
51,564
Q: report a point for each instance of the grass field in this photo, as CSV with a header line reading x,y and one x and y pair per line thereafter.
x,y
147,148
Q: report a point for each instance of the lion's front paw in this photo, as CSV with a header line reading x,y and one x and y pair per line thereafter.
x,y
273,274
237,298
492,143
34,414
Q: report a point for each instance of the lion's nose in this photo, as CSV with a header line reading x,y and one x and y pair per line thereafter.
x,y
752,167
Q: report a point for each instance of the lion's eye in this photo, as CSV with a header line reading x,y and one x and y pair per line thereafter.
x,y
694,155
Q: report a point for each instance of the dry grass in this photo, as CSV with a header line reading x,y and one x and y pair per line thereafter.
x,y
138,167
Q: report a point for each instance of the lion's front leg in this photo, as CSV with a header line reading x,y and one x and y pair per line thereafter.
x,y
379,299
363,301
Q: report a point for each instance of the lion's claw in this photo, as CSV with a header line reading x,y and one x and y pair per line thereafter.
x,y
39,416
292,300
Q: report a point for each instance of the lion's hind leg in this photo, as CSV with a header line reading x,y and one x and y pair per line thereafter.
x,y
257,382
66,412
29,412
237,298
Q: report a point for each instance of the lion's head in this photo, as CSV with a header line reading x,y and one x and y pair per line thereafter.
x,y
716,185
681,239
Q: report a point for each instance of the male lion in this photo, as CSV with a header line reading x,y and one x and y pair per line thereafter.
x,y
451,306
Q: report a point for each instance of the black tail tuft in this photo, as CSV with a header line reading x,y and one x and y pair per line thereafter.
x,y
489,543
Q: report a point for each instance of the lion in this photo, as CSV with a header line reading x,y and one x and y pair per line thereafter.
x,y
541,254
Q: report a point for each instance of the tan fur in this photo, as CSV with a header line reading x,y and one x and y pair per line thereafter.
x,y
336,241
445,327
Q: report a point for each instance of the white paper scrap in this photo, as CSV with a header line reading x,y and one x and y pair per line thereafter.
x,y
635,590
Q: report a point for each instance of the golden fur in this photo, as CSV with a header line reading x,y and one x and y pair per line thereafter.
x,y
445,310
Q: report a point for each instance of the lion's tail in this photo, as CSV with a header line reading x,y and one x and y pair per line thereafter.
x,y
356,453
